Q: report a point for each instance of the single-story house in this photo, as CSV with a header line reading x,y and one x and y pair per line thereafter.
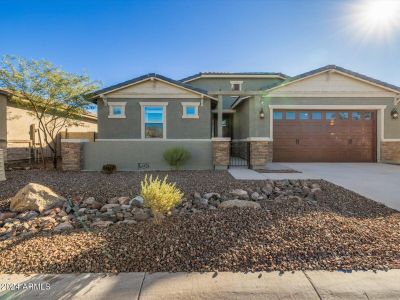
x,y
19,128
330,114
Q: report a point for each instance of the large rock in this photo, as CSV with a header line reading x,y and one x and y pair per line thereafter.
x,y
63,226
7,215
214,196
141,214
239,193
123,200
106,207
35,197
200,203
137,201
91,203
240,204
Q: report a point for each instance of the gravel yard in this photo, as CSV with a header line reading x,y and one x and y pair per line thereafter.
x,y
342,230
103,187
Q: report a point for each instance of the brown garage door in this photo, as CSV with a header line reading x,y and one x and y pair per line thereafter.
x,y
324,136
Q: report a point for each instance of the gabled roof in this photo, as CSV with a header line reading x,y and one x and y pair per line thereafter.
x,y
146,77
234,74
356,75
86,114
4,92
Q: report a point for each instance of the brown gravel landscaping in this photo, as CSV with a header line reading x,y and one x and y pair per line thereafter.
x,y
338,229
103,187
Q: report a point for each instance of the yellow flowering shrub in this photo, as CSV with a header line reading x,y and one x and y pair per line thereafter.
x,y
159,196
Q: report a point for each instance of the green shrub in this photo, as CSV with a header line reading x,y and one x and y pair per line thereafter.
x,y
176,157
159,196
109,168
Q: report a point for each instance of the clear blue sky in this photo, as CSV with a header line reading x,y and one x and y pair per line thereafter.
x,y
113,41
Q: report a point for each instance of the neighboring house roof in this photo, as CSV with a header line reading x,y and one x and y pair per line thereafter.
x,y
233,75
4,92
86,115
362,77
146,77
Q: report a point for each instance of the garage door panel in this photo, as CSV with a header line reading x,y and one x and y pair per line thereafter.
x,y
340,140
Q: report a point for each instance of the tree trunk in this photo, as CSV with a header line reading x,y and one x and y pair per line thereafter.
x,y
55,156
42,150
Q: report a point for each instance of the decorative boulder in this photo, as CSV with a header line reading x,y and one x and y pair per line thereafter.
x,y
123,200
239,193
7,215
200,203
141,214
91,203
240,204
213,196
106,207
63,226
35,197
137,201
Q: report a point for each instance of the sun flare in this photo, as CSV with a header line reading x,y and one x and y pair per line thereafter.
x,y
376,19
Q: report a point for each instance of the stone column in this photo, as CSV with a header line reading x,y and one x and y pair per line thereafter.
x,y
221,155
260,152
72,154
2,172
390,152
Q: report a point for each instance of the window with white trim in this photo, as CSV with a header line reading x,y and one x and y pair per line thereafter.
x,y
190,110
154,120
236,85
116,110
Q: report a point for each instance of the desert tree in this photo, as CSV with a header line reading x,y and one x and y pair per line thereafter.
x,y
57,99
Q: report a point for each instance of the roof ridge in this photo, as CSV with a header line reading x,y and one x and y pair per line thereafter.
x,y
146,76
280,74
340,69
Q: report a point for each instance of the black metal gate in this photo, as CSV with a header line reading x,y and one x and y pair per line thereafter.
x,y
239,154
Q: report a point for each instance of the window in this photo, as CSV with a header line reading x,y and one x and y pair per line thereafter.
x,y
153,120
278,115
236,85
116,110
190,110
316,115
343,116
368,116
290,115
330,115
304,115
356,115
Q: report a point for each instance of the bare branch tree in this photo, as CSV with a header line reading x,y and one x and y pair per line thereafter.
x,y
57,99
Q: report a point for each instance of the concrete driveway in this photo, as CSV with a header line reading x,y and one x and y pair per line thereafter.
x,y
379,182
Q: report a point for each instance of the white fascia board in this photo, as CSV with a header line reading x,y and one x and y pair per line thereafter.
x,y
227,76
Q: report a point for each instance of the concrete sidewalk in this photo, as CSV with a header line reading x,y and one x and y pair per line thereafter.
x,y
224,285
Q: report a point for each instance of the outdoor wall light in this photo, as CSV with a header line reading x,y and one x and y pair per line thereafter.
x,y
394,114
262,115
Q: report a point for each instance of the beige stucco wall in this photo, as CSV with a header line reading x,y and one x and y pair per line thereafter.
x,y
19,121
3,121
330,84
152,89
